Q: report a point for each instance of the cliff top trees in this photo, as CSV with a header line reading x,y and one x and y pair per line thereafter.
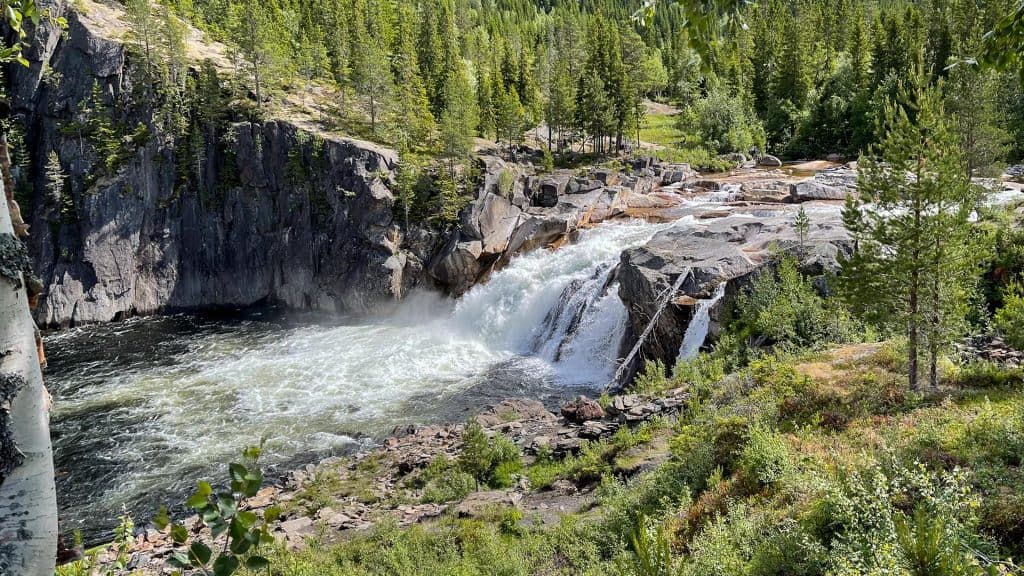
x,y
799,66
256,33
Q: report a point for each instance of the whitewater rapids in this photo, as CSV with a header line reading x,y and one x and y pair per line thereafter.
x,y
145,408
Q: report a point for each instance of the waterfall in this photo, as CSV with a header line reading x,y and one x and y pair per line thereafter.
x,y
559,306
185,392
697,330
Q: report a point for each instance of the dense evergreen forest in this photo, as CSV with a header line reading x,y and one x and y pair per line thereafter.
x,y
799,79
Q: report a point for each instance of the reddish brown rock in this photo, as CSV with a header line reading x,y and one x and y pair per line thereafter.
x,y
582,409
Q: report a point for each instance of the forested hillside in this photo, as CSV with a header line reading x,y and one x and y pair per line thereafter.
x,y
805,78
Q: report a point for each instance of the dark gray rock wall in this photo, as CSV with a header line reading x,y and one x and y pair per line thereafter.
x,y
287,216
727,250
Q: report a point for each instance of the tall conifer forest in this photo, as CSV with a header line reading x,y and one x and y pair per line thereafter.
x,y
798,79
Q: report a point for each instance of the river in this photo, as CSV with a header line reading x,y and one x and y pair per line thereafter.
x,y
146,407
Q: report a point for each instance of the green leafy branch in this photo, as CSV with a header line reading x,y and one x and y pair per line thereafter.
x,y
15,13
224,513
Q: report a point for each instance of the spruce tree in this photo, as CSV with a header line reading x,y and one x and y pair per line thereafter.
x,y
458,121
560,107
55,180
912,264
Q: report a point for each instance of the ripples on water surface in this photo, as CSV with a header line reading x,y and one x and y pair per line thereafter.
x,y
144,408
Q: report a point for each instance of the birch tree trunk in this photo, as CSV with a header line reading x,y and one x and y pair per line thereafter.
x,y
28,498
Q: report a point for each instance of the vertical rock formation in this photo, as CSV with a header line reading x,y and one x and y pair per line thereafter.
x,y
253,212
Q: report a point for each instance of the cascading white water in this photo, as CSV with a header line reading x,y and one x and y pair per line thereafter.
x,y
134,424
697,330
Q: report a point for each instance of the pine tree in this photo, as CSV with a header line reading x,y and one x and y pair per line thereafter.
x,y
143,24
458,121
449,201
372,76
257,35
802,224
413,121
911,267
508,115
561,104
594,113
972,101
407,179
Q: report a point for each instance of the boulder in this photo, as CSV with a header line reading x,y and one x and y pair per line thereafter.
x,y
296,528
708,185
770,161
814,190
538,232
491,219
595,429
735,157
719,250
645,273
457,265
676,173
606,177
582,409
514,410
545,193
581,186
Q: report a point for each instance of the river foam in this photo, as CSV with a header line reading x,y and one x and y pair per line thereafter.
x,y
147,407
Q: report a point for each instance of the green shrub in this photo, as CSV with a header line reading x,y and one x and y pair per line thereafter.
x,y
701,159
997,434
442,481
863,512
652,379
1009,320
506,182
700,372
726,545
491,461
694,455
765,458
623,504
783,307
789,550
982,374
722,122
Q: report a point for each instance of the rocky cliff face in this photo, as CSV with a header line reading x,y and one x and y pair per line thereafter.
x,y
715,247
276,214
517,211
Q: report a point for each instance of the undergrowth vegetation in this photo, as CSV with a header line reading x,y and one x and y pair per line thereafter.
x,y
809,463
800,451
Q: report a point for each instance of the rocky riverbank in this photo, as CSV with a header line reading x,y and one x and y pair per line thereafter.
x,y
341,496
